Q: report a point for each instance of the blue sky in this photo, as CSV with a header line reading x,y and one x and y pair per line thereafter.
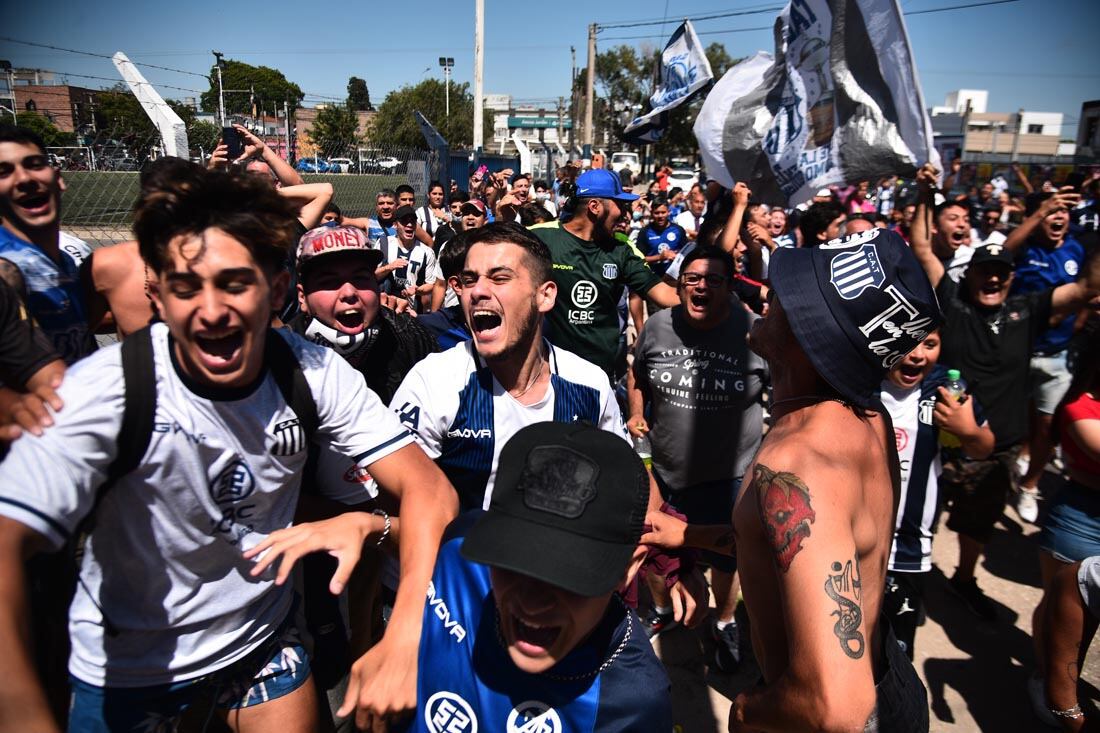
x,y
1037,54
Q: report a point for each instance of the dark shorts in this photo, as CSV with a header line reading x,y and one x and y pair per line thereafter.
x,y
277,668
902,606
901,700
706,503
977,491
1071,530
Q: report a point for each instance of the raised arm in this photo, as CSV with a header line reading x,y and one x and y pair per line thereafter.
x,y
312,199
828,683
732,230
1069,297
254,147
920,233
1065,198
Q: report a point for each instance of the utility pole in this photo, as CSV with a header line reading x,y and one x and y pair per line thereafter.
x,y
221,93
479,63
561,104
589,133
1016,137
447,63
286,122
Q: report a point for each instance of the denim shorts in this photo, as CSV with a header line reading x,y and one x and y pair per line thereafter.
x,y
710,502
1071,531
901,700
278,667
1050,378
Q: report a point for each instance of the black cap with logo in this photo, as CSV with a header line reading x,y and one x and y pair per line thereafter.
x,y
568,507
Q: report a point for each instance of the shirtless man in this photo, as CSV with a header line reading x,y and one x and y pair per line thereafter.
x,y
814,519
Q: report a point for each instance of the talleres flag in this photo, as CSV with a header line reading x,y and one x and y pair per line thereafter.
x,y
685,71
839,102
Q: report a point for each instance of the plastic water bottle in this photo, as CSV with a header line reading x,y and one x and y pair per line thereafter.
x,y
642,448
957,388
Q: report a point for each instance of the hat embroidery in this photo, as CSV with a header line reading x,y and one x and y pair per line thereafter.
x,y
558,480
853,272
911,332
994,249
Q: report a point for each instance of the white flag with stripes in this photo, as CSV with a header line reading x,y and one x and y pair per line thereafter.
x,y
839,102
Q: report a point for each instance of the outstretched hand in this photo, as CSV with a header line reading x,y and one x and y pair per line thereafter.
x,y
341,536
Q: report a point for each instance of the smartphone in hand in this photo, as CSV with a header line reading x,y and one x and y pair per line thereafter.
x,y
231,136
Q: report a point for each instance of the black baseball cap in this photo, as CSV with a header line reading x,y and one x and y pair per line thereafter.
x,y
568,507
403,211
997,253
856,306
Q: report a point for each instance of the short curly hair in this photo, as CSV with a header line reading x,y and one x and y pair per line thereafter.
x,y
191,199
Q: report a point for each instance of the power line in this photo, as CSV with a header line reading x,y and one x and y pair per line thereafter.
x,y
768,27
100,56
710,16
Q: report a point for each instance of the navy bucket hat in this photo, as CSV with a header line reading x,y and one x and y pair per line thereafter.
x,y
857,306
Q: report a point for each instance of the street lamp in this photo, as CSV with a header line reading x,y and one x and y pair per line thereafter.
x,y
221,93
5,66
447,63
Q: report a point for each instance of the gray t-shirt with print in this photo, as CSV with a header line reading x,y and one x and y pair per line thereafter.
x,y
704,390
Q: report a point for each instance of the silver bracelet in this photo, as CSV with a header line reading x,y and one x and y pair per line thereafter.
x,y
386,529
1073,713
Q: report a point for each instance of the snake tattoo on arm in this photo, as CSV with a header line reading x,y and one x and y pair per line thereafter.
x,y
843,585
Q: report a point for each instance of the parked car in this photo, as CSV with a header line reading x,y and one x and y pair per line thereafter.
x,y
683,178
341,165
622,160
315,165
120,163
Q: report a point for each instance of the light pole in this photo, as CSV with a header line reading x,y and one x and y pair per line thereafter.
x,y
447,63
221,93
5,65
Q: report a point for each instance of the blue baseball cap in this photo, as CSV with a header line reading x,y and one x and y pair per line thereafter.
x,y
857,306
600,183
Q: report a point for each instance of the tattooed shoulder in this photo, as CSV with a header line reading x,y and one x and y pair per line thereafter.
x,y
785,511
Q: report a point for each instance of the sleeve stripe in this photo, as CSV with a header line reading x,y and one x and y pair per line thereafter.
x,y
53,523
375,449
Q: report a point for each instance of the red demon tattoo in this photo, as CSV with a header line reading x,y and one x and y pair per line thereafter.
x,y
785,510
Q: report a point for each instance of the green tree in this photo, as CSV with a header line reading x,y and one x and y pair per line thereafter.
x,y
395,124
269,85
358,95
335,131
205,135
48,131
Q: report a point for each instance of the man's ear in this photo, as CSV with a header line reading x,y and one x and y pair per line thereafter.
x,y
155,295
547,296
636,560
301,297
280,284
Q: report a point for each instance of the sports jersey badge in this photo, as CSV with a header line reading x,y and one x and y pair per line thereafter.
x,y
447,712
289,438
534,717
610,270
853,272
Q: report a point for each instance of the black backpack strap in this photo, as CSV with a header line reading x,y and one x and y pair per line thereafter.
x,y
287,372
140,376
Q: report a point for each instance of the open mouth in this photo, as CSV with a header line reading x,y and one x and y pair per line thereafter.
x,y
910,373
350,319
484,321
1057,227
534,639
699,300
959,238
220,349
34,204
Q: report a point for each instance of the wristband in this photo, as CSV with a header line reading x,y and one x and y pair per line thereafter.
x,y
1073,713
386,529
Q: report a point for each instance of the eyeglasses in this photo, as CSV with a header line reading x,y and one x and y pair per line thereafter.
x,y
713,280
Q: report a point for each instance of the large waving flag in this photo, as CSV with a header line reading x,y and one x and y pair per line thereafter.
x,y
838,103
685,71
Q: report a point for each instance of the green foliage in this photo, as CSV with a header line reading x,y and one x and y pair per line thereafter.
x,y
205,135
395,124
358,95
335,131
271,88
47,130
120,116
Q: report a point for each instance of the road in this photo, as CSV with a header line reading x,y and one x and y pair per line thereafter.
x,y
975,673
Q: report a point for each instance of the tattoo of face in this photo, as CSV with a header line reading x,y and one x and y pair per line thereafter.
x,y
843,586
785,511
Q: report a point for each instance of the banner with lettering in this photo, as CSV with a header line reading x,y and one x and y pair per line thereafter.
x,y
685,71
839,102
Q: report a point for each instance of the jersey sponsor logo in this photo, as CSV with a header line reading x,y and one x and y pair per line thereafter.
x,y
885,325
470,433
853,272
533,716
439,608
447,712
234,483
290,438
562,266
175,427
357,475
409,414
610,271
901,438
583,295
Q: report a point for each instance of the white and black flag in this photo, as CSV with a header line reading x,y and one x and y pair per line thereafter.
x,y
839,102
685,71
289,438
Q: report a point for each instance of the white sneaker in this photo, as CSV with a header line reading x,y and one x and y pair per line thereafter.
x,y
1027,504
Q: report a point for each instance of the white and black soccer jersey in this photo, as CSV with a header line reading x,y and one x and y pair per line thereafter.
x,y
162,564
463,417
917,438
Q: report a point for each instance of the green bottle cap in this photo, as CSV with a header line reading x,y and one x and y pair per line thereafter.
x,y
954,375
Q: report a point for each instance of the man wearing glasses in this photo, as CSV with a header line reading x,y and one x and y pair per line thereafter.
x,y
694,389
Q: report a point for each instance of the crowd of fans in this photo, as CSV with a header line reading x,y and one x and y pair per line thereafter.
x,y
575,412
